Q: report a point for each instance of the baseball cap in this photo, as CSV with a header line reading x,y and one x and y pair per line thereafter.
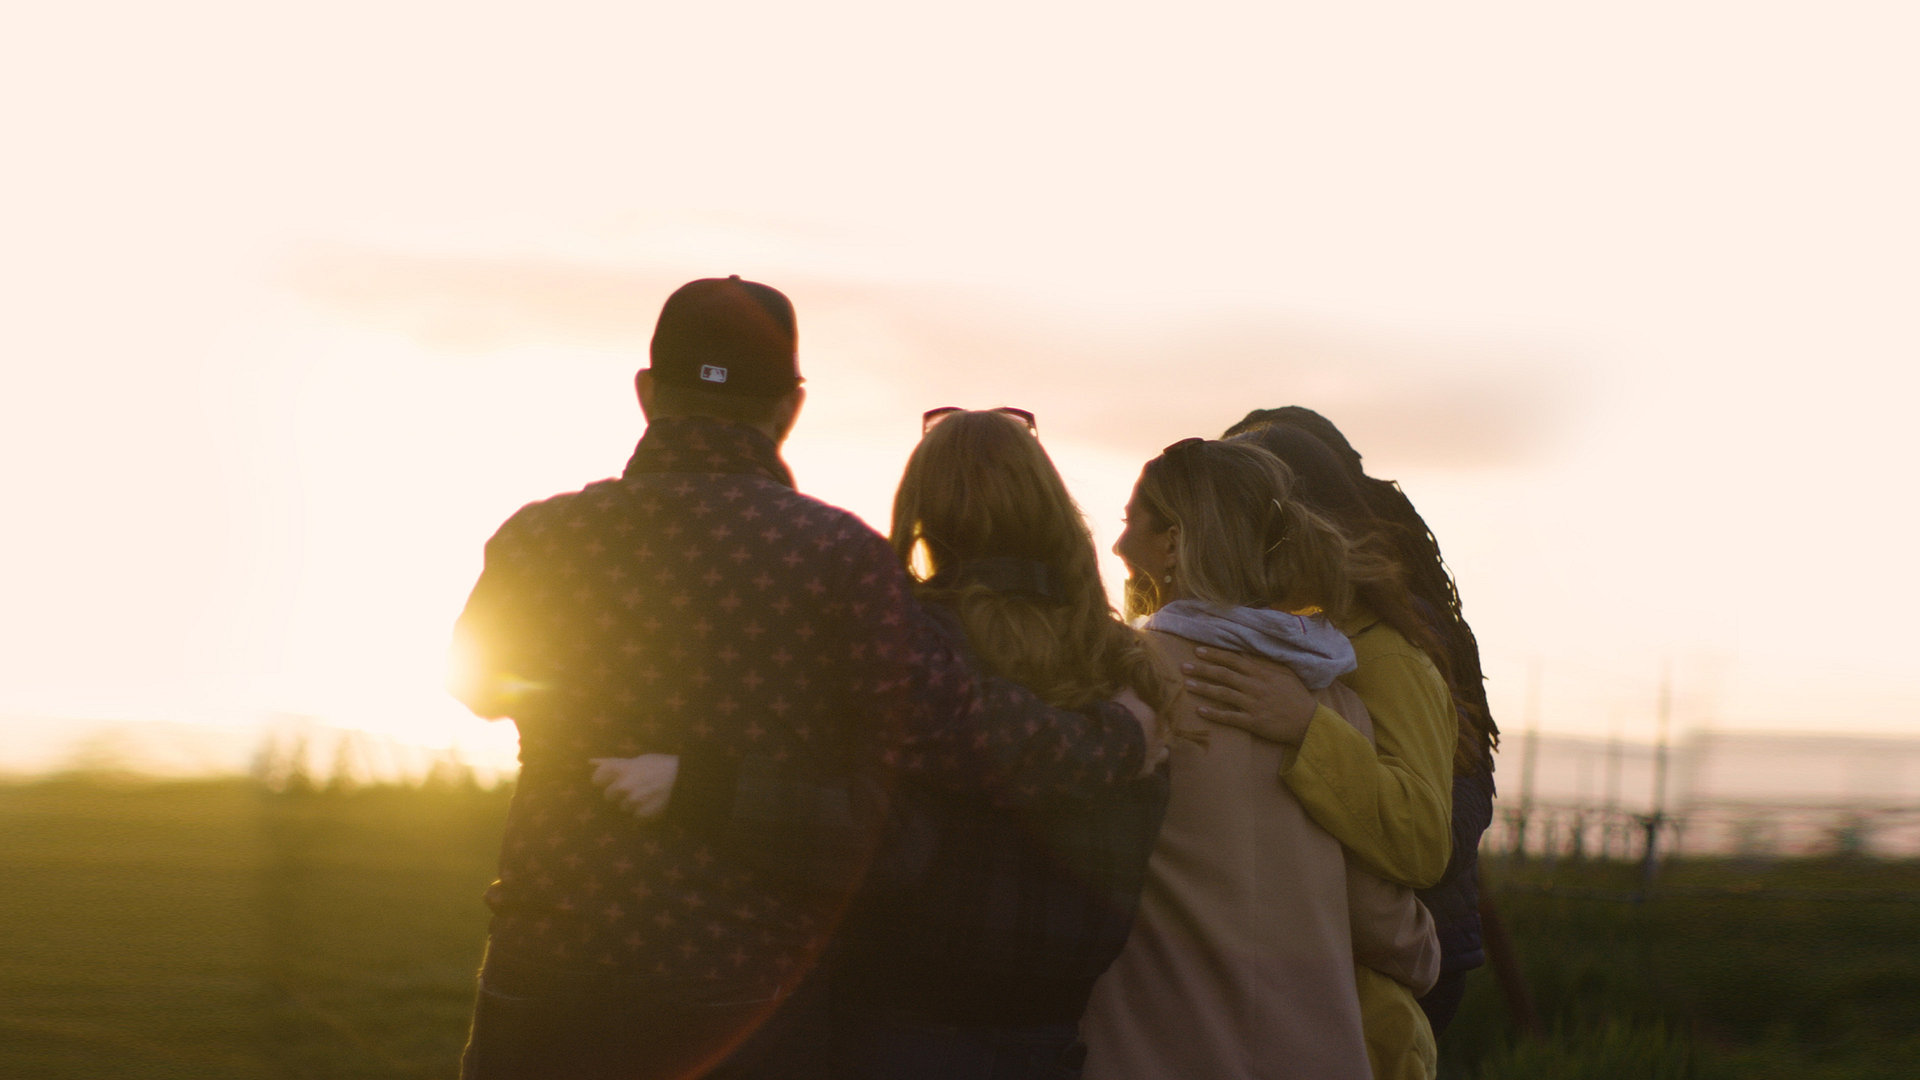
x,y
727,335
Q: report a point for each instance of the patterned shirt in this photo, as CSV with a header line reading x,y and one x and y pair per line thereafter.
x,y
699,606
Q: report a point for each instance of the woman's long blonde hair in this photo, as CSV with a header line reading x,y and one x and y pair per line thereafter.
x,y
981,506
1245,539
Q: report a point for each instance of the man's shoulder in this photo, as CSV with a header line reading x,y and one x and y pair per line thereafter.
x,y
818,513
541,514
797,516
786,517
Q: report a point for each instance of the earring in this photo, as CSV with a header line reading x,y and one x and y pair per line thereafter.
x,y
1166,579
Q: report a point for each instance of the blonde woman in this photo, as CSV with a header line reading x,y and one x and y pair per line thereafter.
x,y
1242,962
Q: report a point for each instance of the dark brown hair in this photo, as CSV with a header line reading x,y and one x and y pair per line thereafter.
x,y
1425,607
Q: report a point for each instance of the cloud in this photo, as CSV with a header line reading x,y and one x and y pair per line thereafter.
x,y
1442,402
457,303
1099,377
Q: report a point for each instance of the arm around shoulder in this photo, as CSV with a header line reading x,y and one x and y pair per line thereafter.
x,y
965,730
1389,801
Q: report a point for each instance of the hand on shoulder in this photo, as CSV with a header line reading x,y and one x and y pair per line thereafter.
x,y
1255,695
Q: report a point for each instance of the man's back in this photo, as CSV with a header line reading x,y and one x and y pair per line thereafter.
x,y
697,606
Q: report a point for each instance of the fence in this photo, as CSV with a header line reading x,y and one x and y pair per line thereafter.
x,y
1738,794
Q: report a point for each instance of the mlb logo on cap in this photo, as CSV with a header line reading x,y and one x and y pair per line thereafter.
x,y
726,336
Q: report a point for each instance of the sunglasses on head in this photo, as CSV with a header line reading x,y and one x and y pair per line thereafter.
x,y
934,416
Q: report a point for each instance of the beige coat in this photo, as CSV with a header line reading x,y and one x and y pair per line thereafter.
x,y
1241,961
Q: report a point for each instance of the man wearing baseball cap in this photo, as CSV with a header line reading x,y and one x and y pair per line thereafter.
x,y
698,606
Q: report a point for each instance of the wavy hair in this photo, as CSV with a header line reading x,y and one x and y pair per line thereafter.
x,y
1379,513
1245,539
985,523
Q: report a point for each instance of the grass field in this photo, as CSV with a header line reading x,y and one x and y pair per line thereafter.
x,y
1804,969
215,930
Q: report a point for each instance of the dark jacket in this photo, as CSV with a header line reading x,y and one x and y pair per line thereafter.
x,y
700,606
1455,900
1018,909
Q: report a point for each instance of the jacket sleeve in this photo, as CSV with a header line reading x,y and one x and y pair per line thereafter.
x,y
1389,801
937,718
492,671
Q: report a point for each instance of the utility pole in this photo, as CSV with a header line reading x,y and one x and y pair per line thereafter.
x,y
1612,811
1529,757
1658,817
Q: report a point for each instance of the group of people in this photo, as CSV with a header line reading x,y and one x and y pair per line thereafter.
x,y
797,800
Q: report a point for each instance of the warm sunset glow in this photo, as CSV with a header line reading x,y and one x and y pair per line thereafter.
x,y
1621,297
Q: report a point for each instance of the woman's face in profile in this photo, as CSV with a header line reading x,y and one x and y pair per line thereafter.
x,y
1145,545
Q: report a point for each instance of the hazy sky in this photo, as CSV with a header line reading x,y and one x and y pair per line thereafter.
x,y
297,305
